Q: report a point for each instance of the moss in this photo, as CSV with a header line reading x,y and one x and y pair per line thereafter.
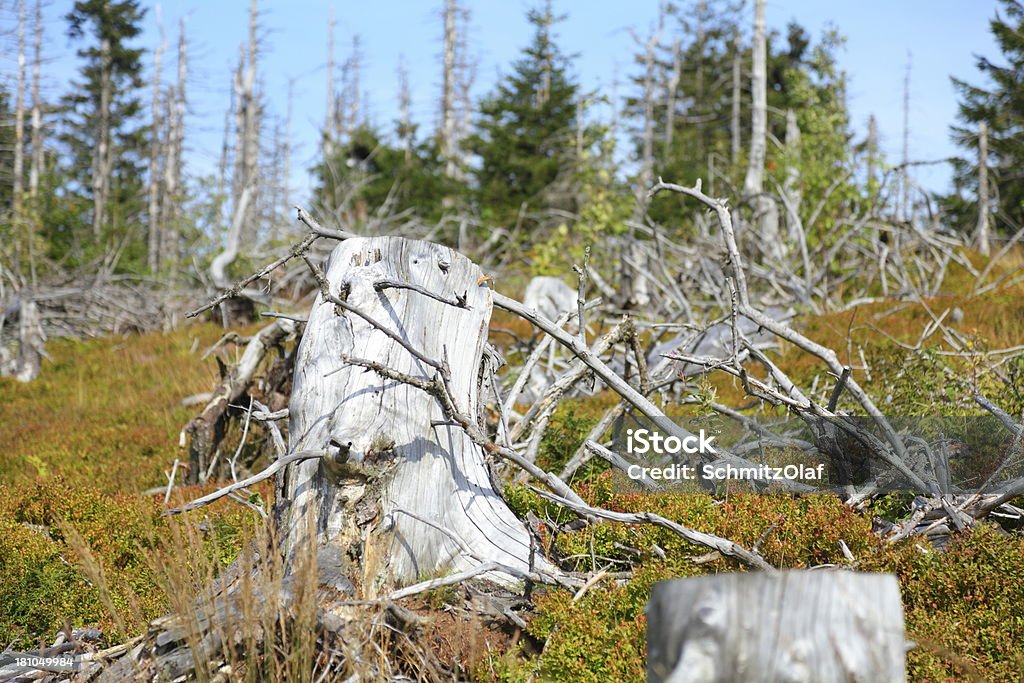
x,y
78,447
961,605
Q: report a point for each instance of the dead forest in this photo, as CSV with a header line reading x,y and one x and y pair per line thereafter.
x,y
392,427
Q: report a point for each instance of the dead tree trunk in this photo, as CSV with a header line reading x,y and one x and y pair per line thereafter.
x,y
404,492
155,152
101,162
171,249
671,93
448,90
19,119
981,232
405,128
903,209
36,167
794,626
647,142
765,212
328,136
791,187
31,343
734,118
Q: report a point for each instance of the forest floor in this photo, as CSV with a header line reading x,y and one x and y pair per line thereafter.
x,y
83,544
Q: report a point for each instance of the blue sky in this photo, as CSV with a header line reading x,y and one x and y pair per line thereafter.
x,y
941,35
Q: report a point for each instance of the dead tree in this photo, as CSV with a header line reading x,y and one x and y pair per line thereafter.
x,y
671,93
765,212
350,114
174,145
447,132
19,120
647,139
872,152
406,131
245,181
155,152
36,168
903,209
981,231
102,160
791,187
391,447
329,132
792,626
734,119
247,163
25,363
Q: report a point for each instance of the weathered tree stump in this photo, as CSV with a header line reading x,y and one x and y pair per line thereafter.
x,y
813,626
392,450
24,365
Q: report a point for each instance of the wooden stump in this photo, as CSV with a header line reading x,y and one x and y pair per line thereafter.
x,y
394,452
24,365
813,626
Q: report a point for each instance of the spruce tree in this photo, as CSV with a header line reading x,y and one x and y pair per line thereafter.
x,y
1001,108
105,143
365,174
802,76
526,130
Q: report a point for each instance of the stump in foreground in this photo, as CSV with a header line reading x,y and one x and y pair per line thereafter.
x,y
820,626
404,494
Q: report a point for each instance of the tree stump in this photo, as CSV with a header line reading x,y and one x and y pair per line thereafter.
x,y
813,626
24,365
392,450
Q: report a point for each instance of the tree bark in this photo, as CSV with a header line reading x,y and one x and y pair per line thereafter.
x,y
405,129
36,167
171,238
753,182
903,209
647,142
156,150
447,145
31,343
670,94
330,118
393,450
19,120
981,232
792,183
734,120
101,156
826,627
765,212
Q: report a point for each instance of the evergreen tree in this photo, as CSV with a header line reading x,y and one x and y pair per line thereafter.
x,y
802,76
526,131
365,174
105,144
1001,108
693,109
805,79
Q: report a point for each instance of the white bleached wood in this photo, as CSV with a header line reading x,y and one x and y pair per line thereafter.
x,y
820,626
397,451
